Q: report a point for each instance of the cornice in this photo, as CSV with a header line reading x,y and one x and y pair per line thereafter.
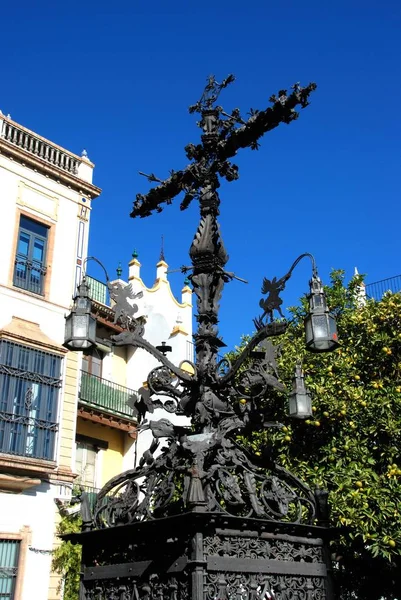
x,y
60,176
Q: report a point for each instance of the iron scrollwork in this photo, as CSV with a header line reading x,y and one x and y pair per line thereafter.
x,y
152,588
233,502
203,468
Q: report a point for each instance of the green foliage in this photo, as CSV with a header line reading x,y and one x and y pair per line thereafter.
x,y
67,557
352,445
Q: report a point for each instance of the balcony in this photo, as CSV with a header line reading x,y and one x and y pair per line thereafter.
x,y
92,494
98,291
29,274
106,397
377,289
39,147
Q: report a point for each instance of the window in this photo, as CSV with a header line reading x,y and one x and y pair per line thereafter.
x,y
92,362
85,464
30,268
9,553
29,389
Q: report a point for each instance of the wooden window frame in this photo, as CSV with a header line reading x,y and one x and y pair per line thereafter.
x,y
89,359
51,226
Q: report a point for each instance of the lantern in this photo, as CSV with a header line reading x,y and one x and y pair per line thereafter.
x,y
299,402
320,325
80,325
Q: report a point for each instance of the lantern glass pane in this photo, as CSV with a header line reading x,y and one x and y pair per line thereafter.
x,y
304,406
83,303
308,330
333,327
68,327
317,301
92,329
80,344
320,329
80,326
292,405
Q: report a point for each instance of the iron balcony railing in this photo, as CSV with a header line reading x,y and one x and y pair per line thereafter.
x,y
91,494
29,275
106,396
27,436
377,289
98,291
38,146
190,351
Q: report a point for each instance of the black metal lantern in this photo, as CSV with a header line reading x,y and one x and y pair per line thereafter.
x,y
320,325
299,402
80,325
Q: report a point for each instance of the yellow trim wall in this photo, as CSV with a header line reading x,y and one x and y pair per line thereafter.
x,y
119,365
112,458
69,411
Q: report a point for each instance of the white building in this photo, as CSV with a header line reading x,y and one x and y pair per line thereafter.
x,y
65,419
106,435
46,195
167,320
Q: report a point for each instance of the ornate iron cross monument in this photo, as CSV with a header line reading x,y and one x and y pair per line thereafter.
x,y
205,519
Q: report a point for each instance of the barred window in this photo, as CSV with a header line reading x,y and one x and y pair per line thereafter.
x,y
9,553
30,380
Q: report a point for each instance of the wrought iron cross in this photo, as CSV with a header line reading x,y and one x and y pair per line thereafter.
x,y
221,398
223,135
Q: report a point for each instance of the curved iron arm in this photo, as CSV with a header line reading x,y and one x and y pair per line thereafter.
x,y
269,330
88,258
127,338
296,261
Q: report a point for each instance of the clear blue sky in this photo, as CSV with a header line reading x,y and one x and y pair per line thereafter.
x,y
116,78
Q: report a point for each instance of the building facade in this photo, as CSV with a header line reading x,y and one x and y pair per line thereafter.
x,y
46,196
67,419
107,440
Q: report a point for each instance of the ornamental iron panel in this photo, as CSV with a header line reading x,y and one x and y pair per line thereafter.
x,y
205,557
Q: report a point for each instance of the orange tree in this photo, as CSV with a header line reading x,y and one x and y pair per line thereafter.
x,y
352,444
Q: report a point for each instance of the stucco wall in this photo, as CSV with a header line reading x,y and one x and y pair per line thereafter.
x,y
110,461
66,213
167,320
35,509
119,365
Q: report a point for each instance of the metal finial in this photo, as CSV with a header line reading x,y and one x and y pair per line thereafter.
x,y
162,257
135,254
119,270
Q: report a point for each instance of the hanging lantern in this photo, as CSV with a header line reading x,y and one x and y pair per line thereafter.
x,y
299,402
320,325
80,325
